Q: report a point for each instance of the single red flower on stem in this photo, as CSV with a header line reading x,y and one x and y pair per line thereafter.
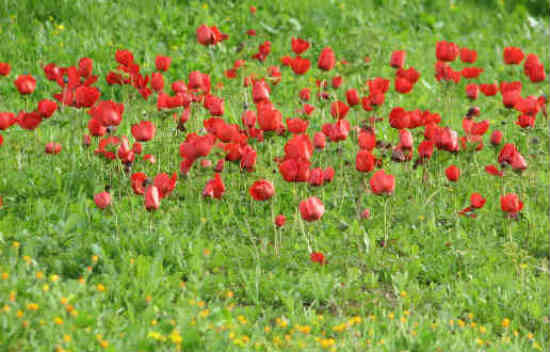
x,y
144,131
339,109
317,257
162,63
214,188
446,51
327,59
262,190
53,148
280,220
25,84
46,108
468,55
477,201
152,198
299,45
511,204
397,59
512,55
5,69
138,182
102,200
311,209
382,183
452,173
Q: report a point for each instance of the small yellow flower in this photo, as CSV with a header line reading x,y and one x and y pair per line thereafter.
x,y
403,294
104,343
27,259
16,244
204,313
95,258
461,323
100,288
482,329
530,336
206,252
45,287
479,341
54,278
205,6
391,315
154,322
58,321
5,276
40,275
67,338
12,296
505,322
32,306
19,314
229,294
6,308
267,329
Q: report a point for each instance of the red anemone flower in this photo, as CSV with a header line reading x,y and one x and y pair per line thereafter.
x,y
144,131
327,59
162,63
214,188
262,190
25,84
299,45
511,204
53,148
317,257
311,209
382,183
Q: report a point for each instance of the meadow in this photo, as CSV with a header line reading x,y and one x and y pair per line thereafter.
x,y
274,176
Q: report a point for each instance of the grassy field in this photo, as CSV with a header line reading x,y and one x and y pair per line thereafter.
x,y
202,274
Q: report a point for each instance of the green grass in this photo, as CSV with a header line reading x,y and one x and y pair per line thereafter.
x,y
204,274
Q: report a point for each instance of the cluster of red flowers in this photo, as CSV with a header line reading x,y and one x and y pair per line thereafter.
x,y
233,142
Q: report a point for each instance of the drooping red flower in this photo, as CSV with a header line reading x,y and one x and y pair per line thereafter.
x,y
46,108
53,148
312,209
317,257
471,72
468,55
165,183
477,201
138,182
280,220
152,198
511,204
25,84
452,173
260,91
7,119
327,59
214,188
162,63
295,170
144,131
496,137
397,59
319,140
489,89
299,45
382,183
364,161
493,170
5,69
339,109
29,120
102,200
262,190
86,96
512,55
446,51
472,91
209,35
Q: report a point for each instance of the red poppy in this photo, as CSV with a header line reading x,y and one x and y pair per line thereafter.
x,y
489,89
397,59
405,139
165,183
399,118
102,200
215,105
251,33
403,85
144,131
513,55
53,148
364,161
297,125
496,137
214,188
263,51
537,73
511,204
317,257
378,84
319,140
305,94
299,45
327,59
260,91
1,142
162,63
446,139
468,55
316,177
328,174
269,119
339,109
452,173
367,139
85,66
525,121
280,220
472,91
107,112
493,170
446,51
96,128
425,150
157,81
7,119
138,182
209,35
46,108
337,131
124,57
510,98
471,72
382,183
365,214
477,201
252,9
5,69
30,120
248,159
352,97
248,118
311,209
308,109
262,190
85,96
337,82
25,84
295,170
152,198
